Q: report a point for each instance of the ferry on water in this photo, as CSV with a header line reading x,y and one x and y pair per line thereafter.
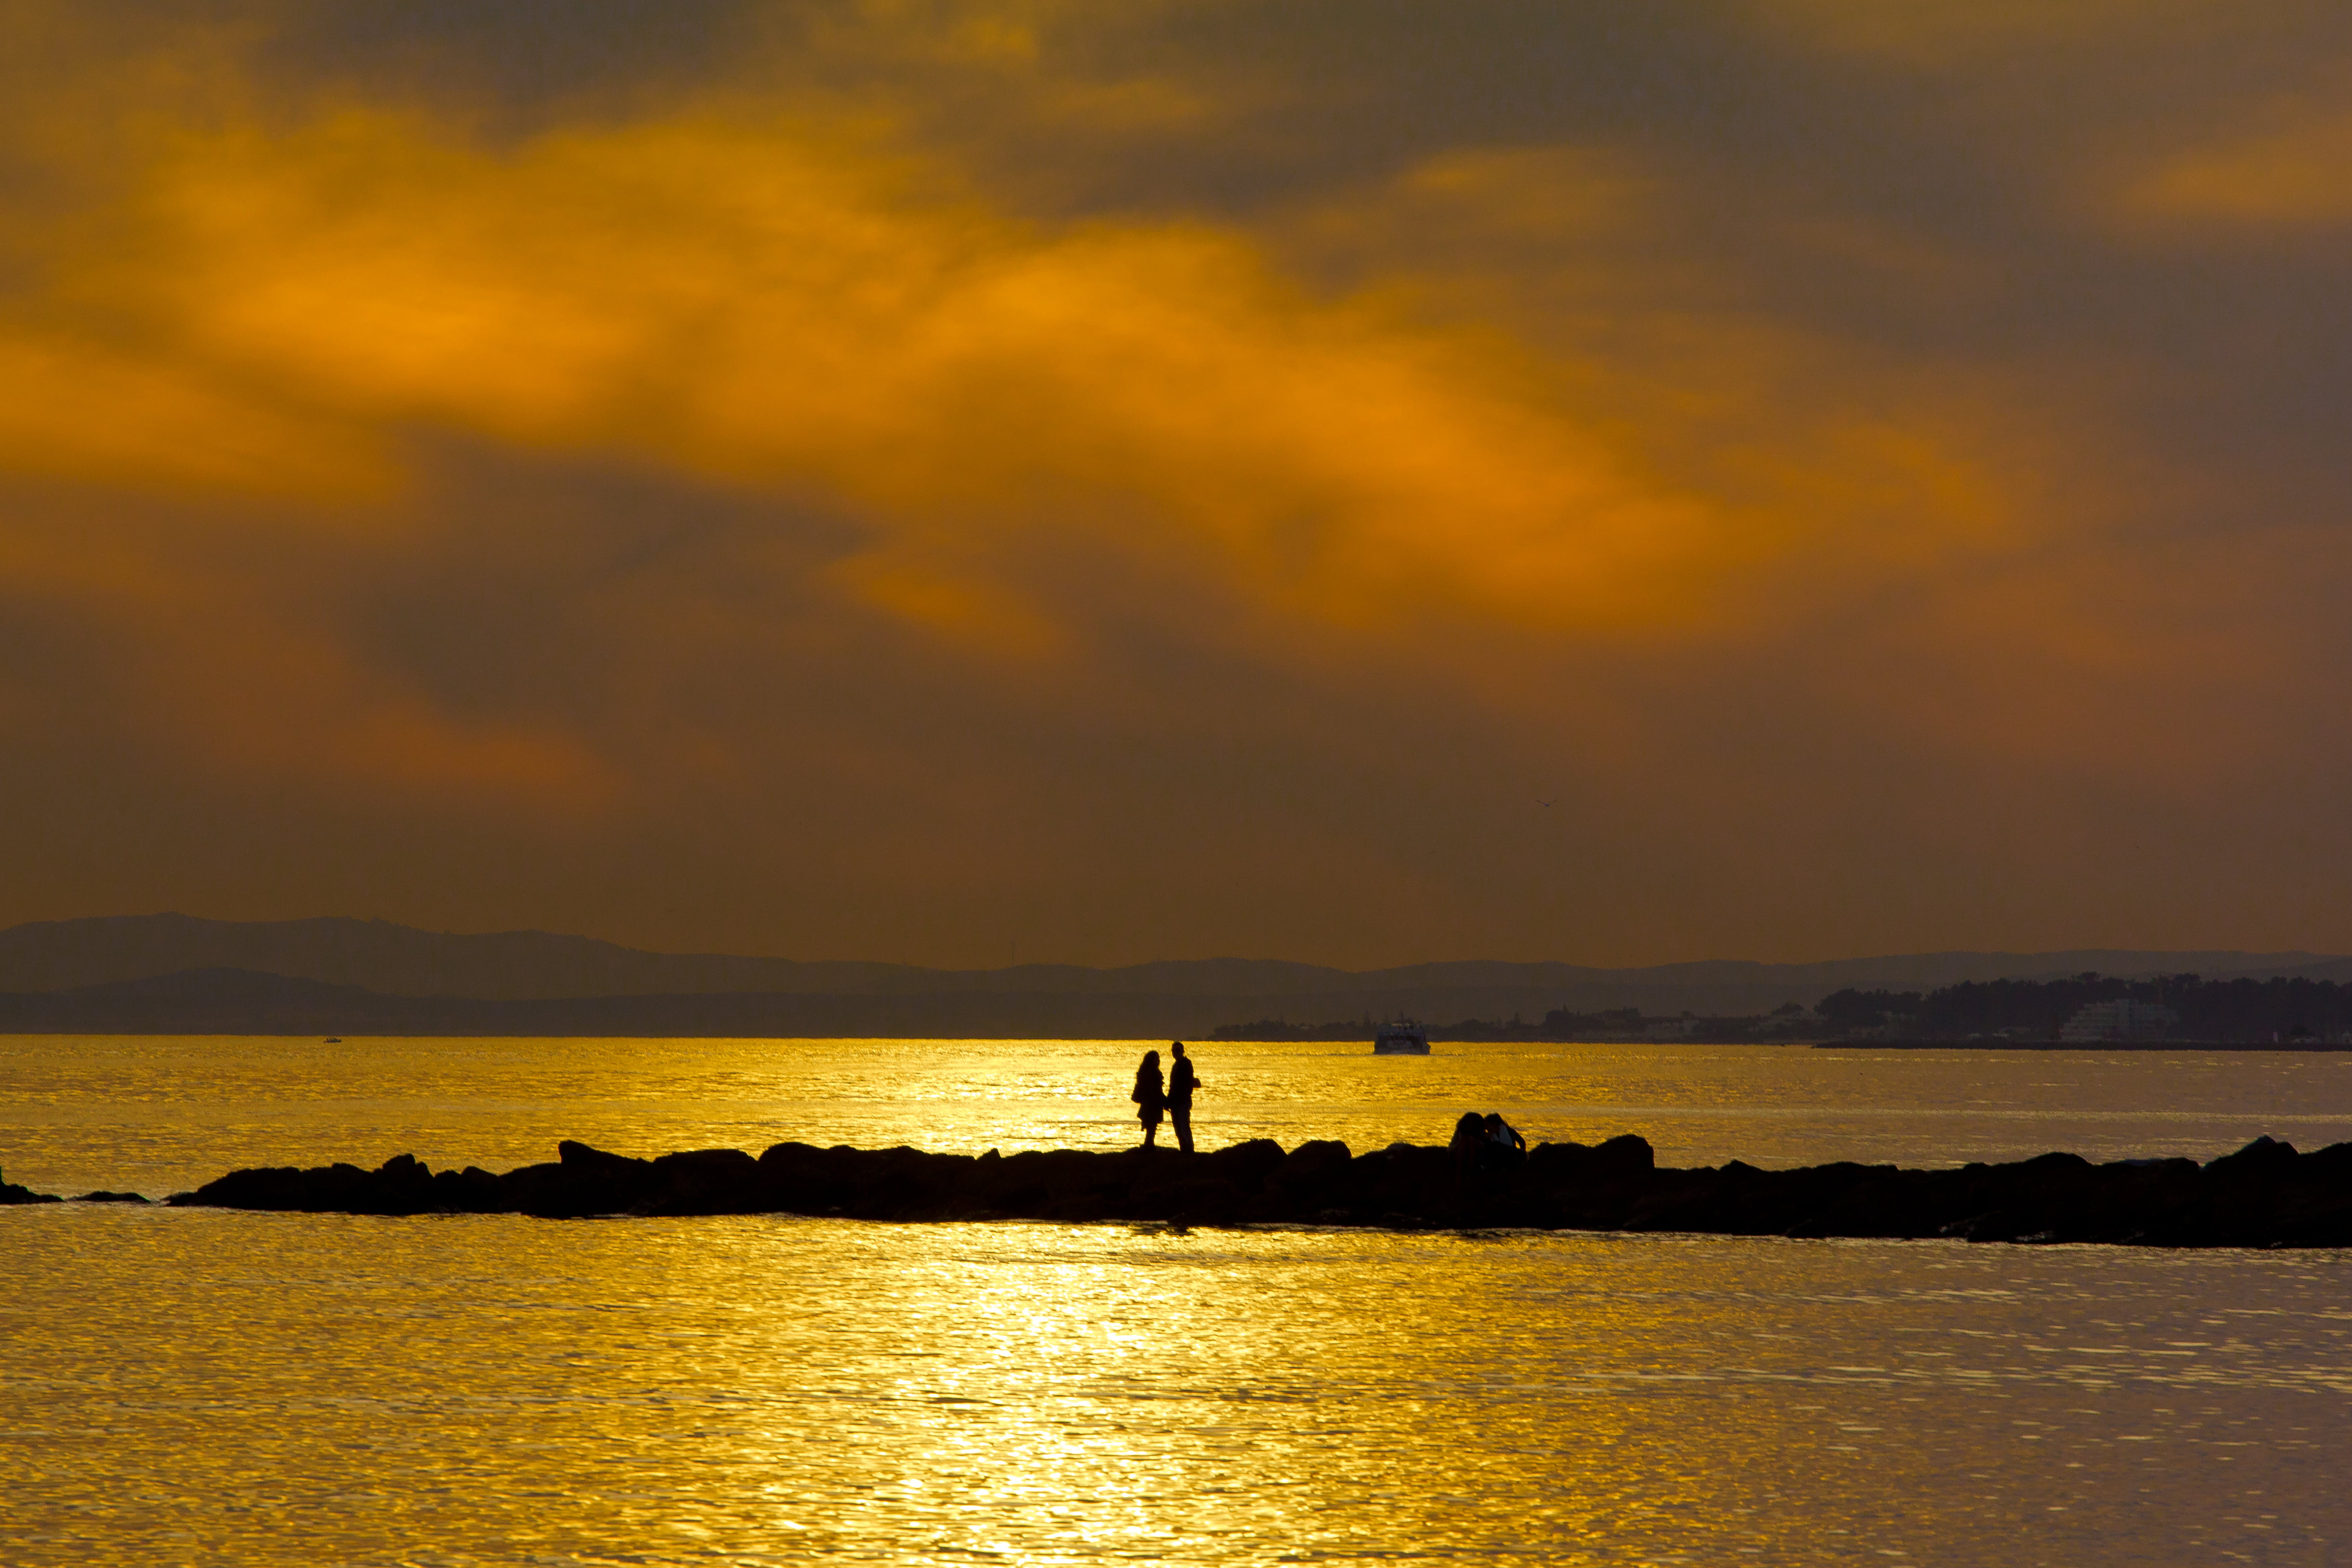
x,y
1406,1039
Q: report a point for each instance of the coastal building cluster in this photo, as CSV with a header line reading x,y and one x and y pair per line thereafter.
x,y
2122,1018
2287,1012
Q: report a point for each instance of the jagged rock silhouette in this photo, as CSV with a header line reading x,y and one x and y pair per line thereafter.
x,y
2264,1195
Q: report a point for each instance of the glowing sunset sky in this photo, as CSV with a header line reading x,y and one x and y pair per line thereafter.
x,y
1167,478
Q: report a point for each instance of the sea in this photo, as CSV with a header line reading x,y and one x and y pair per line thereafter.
x,y
194,1386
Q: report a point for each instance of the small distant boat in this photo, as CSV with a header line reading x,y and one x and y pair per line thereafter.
x,y
1406,1039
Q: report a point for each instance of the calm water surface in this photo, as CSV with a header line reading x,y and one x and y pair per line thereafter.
x,y
185,1386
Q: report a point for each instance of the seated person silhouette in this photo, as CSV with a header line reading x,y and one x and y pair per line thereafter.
x,y
1505,1150
1469,1139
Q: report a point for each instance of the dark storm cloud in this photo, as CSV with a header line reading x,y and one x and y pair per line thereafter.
x,y
511,67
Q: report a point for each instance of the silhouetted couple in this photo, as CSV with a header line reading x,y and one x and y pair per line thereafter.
x,y
1175,1100
1485,1143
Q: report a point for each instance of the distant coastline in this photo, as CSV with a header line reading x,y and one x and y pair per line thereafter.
x,y
2101,1046
174,974
244,1003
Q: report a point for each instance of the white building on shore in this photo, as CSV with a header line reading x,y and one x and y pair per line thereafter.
x,y
2120,1020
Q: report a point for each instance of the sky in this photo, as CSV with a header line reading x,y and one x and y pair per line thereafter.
x,y
967,483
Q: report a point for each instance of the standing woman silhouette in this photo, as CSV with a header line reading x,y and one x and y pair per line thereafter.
x,y
1150,1101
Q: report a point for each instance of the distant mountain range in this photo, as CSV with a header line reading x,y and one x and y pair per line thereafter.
x,y
180,974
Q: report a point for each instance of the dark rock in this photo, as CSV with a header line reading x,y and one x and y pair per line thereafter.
x,y
2332,1163
1195,1201
582,1183
10,1194
707,1181
1626,1154
1623,1156
2263,1195
1314,1161
1401,1179
469,1191
2264,1156
1313,1178
110,1198
1246,1165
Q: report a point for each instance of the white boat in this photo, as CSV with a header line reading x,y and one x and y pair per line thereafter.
x,y
1406,1039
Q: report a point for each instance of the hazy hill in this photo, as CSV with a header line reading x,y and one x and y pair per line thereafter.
x,y
218,971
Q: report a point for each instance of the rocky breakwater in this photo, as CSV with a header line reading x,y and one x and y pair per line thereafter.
x,y
10,1194
2264,1195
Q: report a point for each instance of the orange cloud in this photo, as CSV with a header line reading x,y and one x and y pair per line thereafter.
x,y
770,304
83,412
778,303
341,433
2295,173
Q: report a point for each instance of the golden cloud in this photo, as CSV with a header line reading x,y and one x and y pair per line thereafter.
x,y
1545,430
774,305
331,416
2294,173
90,413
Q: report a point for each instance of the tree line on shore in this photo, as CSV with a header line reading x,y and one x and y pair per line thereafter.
x,y
2236,1010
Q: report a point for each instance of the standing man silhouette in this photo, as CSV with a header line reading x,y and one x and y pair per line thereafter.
x,y
1181,1085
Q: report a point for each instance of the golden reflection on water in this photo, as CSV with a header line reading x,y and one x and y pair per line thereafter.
x,y
191,1386
161,1114
202,1387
